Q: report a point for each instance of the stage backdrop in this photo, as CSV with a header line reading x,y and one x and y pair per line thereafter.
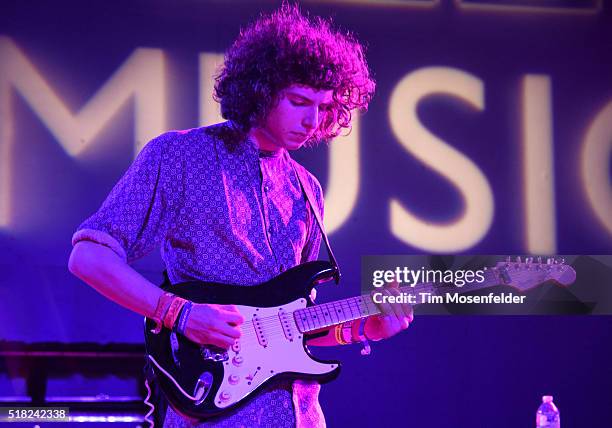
x,y
490,133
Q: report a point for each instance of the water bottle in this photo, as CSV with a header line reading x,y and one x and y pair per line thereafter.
x,y
548,414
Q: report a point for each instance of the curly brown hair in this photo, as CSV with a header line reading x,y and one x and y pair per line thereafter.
x,y
284,48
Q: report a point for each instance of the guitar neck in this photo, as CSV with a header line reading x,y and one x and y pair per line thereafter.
x,y
327,314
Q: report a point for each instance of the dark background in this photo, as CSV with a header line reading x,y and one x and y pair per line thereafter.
x,y
445,371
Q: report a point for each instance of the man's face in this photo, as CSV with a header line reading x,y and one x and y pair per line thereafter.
x,y
292,121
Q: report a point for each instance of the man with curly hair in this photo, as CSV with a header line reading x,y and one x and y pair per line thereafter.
x,y
225,202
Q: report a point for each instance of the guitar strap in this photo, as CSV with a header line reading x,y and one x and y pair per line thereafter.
x,y
304,181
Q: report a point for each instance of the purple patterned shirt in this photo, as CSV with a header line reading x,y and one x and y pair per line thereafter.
x,y
221,211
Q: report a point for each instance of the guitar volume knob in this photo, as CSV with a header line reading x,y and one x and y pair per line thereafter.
x,y
225,396
234,379
238,360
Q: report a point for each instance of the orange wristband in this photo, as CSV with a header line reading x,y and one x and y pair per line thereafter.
x,y
173,312
339,336
160,311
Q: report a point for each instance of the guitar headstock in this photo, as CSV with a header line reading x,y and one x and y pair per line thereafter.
x,y
528,273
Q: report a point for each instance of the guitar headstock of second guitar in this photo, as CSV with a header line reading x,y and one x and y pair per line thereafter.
x,y
530,272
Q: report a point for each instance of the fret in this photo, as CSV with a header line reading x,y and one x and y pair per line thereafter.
x,y
344,316
363,310
308,318
360,307
313,317
418,288
347,311
362,301
357,305
318,318
300,319
340,311
327,314
354,308
333,313
421,287
372,308
348,306
321,319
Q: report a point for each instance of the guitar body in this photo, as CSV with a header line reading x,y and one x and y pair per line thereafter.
x,y
204,381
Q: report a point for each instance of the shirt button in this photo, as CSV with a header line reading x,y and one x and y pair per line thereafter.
x,y
266,188
281,268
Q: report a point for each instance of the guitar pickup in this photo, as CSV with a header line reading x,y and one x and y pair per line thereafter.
x,y
259,331
285,320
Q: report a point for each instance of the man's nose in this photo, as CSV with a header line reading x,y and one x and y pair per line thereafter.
x,y
311,119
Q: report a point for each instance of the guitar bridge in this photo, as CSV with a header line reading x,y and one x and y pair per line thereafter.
x,y
207,354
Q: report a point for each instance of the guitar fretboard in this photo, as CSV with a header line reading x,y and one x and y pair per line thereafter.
x,y
327,314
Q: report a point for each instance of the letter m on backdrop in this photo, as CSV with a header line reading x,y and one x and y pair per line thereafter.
x,y
140,78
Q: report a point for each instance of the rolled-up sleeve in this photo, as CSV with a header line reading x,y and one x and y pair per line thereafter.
x,y
137,213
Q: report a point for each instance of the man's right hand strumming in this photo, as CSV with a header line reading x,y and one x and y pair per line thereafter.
x,y
217,325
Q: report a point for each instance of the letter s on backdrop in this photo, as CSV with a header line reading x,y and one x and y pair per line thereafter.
x,y
475,220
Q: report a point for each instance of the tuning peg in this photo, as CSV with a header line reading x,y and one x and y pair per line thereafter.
x,y
529,260
508,259
562,261
549,261
539,260
518,259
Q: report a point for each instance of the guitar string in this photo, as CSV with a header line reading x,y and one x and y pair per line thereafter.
x,y
324,319
491,274
273,325
419,287
349,304
274,328
345,306
274,319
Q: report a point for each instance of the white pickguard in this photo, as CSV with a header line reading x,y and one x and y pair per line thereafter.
x,y
265,350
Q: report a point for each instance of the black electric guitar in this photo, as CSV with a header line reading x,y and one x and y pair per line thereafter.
x,y
204,381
